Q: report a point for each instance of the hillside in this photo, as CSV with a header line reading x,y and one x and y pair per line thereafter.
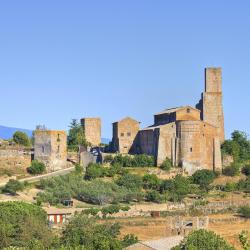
x,y
7,132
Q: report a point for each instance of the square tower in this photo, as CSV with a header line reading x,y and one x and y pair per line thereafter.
x,y
50,147
211,103
92,130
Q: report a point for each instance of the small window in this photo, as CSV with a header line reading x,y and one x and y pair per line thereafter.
x,y
43,149
122,134
188,110
128,134
191,150
58,137
58,149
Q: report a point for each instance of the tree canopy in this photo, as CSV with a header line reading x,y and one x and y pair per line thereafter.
x,y
21,138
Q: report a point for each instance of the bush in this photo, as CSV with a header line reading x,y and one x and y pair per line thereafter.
x,y
36,167
230,187
21,138
166,165
130,181
203,178
244,211
203,240
151,181
108,159
128,240
231,170
94,171
134,161
246,170
154,196
13,186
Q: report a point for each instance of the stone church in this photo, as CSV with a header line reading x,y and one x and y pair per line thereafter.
x,y
190,137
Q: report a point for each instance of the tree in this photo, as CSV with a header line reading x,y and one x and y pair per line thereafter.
x,y
166,165
21,138
203,178
203,240
13,186
76,135
36,167
21,224
246,170
84,231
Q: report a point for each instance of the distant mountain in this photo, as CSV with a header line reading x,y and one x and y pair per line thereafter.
x,y
7,132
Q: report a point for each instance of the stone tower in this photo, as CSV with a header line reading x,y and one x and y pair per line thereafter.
x,y
211,102
92,130
50,147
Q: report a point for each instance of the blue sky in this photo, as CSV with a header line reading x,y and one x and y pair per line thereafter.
x,y
70,59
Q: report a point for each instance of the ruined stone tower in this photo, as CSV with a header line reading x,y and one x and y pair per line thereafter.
x,y
211,101
92,130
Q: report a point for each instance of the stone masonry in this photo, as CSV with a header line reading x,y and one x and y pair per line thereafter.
x,y
50,147
190,137
125,134
92,130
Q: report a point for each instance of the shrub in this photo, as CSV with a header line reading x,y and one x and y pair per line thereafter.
x,y
108,159
166,165
134,161
13,186
130,181
128,240
154,196
244,211
230,187
94,171
36,167
231,170
246,170
151,181
203,240
203,178
21,138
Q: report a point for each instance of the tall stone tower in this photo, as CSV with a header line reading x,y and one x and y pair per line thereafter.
x,y
92,130
211,102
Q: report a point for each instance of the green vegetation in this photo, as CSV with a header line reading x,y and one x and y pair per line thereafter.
x,y
24,226
13,186
204,178
238,146
203,240
36,167
130,181
166,165
93,171
76,136
232,170
133,161
244,240
82,231
246,170
21,138
244,211
111,209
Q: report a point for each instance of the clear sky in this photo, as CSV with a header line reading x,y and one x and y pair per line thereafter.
x,y
70,59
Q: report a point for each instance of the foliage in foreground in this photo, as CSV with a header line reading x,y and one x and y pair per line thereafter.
x,y
203,240
21,224
141,160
